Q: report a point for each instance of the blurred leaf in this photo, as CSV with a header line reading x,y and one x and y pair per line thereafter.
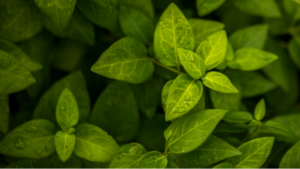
x,y
206,7
4,114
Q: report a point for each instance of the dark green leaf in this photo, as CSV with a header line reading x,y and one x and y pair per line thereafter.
x,y
291,157
125,60
238,117
223,165
54,161
181,134
230,127
172,31
184,94
294,50
64,144
145,6
93,144
292,8
205,7
260,110
116,112
21,164
33,139
219,82
4,114
171,165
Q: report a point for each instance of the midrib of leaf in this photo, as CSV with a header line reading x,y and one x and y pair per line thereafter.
x,y
174,40
219,83
210,53
40,138
133,60
93,144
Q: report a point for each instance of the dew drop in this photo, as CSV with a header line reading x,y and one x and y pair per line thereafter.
x,y
133,150
181,109
31,128
178,20
38,152
19,144
191,58
62,108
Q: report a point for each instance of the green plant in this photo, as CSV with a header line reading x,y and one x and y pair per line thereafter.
x,y
169,89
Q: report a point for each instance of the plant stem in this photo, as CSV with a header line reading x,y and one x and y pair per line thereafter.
x,y
164,66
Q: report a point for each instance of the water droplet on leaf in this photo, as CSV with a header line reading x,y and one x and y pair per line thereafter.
x,y
31,128
19,144
191,58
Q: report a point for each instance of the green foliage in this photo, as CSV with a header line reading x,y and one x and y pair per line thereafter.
x,y
172,83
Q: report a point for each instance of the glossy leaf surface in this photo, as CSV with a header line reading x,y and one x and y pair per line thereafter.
x,y
219,82
64,144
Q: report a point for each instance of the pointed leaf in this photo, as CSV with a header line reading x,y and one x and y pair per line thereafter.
x,y
94,144
191,130
291,157
192,63
33,139
116,112
238,117
184,94
4,114
206,7
125,60
219,82
152,159
172,32
213,49
254,153
260,110
64,144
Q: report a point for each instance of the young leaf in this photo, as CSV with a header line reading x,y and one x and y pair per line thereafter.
x,y
116,112
294,51
250,37
260,110
4,114
192,63
254,153
127,156
184,94
291,157
165,93
30,64
238,117
135,24
172,32
211,151
202,29
14,77
75,82
223,165
152,159
21,20
64,144
219,82
125,60
213,49
249,59
206,7
254,123
59,12
191,130
145,6
266,8
67,112
33,139
93,144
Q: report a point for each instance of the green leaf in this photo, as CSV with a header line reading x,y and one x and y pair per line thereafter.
x,y
294,50
202,29
79,28
165,93
211,151
116,112
224,127
260,110
226,101
127,156
93,144
229,52
249,37
4,114
145,6
30,64
172,32
213,49
249,59
64,144
206,7
238,117
266,8
125,60
135,24
201,104
219,82
184,94
67,112
20,20
171,165
252,83
292,8
54,161
152,159
14,77
192,63
223,165
254,153
33,139
75,82
291,157
59,12
180,135
21,164
254,123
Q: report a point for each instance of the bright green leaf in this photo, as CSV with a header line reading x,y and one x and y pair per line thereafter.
x,y
125,60
205,7
171,165
223,165
219,82
184,94
93,144
254,123
238,117
172,32
152,159
229,52
64,144
191,130
192,63
165,93
260,110
213,49
4,114
291,157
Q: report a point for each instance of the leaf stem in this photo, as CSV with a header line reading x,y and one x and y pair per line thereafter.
x,y
164,66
